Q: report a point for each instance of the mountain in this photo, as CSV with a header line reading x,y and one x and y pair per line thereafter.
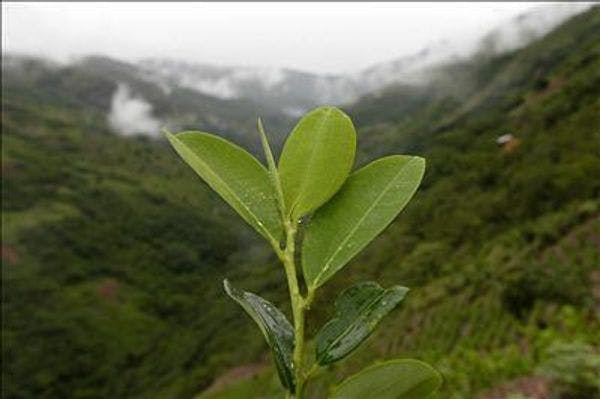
x,y
144,97
133,103
294,92
529,26
114,251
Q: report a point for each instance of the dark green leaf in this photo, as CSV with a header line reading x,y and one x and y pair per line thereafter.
x,y
275,327
316,159
237,176
358,311
369,200
395,379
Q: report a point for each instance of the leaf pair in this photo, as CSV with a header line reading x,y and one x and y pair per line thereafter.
x,y
316,160
358,311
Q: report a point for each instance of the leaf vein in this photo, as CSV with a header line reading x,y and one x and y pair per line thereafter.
x,y
360,222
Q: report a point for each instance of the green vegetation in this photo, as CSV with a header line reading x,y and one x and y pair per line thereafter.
x,y
349,212
113,259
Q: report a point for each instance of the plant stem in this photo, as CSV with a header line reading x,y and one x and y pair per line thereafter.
x,y
298,306
287,256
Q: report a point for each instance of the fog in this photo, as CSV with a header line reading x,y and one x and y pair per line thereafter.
x,y
318,37
131,115
368,46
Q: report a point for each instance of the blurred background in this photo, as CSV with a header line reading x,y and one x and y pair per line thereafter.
x,y
113,250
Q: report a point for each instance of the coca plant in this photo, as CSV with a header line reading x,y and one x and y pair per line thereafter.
x,y
347,211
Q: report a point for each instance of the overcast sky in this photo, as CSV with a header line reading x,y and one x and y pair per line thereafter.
x,y
318,37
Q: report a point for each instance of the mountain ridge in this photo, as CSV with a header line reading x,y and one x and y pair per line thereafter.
x,y
256,82
280,95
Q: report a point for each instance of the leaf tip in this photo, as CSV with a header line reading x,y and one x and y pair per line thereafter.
x,y
422,162
166,132
227,286
170,136
402,289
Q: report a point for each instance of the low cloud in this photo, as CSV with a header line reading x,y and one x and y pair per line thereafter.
x,y
130,115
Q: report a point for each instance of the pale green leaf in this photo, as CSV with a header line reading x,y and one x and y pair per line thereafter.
x,y
316,159
369,200
273,172
235,175
395,379
277,330
358,311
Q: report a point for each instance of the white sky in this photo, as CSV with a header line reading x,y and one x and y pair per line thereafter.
x,y
318,37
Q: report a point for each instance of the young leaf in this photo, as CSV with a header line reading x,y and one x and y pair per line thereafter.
x,y
277,330
358,311
369,200
395,379
273,172
316,159
235,175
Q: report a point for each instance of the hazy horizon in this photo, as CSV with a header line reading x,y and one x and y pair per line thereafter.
x,y
325,38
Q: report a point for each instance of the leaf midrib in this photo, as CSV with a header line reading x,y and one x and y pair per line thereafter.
x,y
355,228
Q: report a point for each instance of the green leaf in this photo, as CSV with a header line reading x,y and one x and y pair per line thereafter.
x,y
395,379
316,159
266,147
235,175
369,200
273,172
277,330
358,311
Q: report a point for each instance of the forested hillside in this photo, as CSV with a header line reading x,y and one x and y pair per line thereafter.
x,y
113,251
113,257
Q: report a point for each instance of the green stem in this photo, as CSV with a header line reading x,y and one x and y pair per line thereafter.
x,y
298,307
287,256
